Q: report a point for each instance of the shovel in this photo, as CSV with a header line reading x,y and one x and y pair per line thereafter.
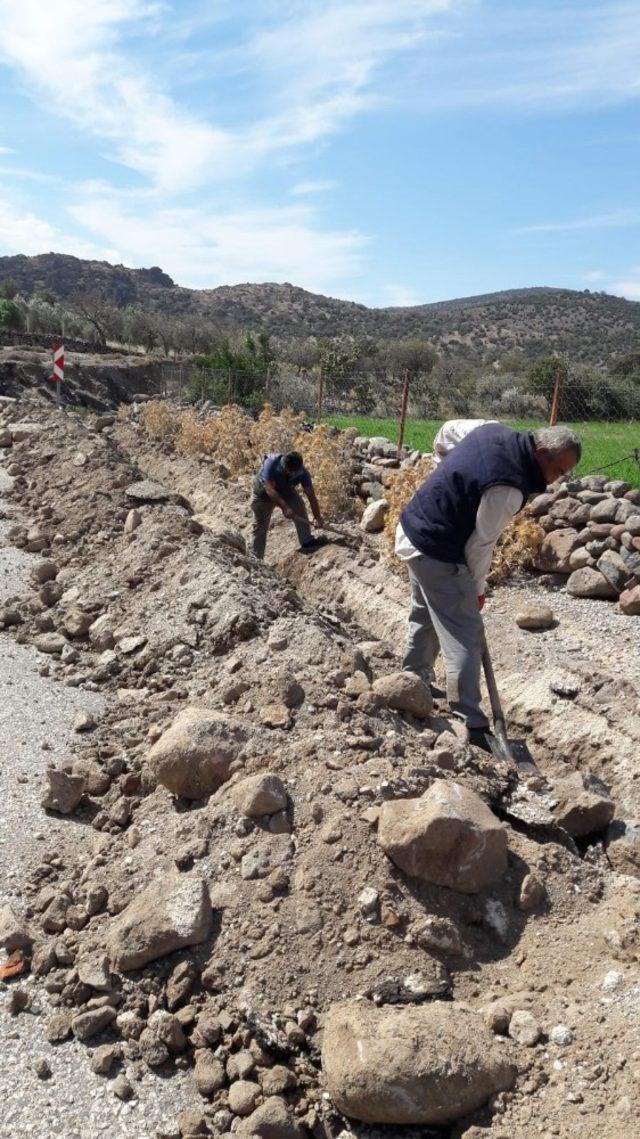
x,y
522,805
517,753
349,539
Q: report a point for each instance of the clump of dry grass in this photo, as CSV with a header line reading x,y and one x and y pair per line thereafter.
x,y
159,419
398,492
328,458
516,548
190,437
275,432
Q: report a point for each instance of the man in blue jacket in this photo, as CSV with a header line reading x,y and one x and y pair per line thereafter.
x,y
275,485
447,534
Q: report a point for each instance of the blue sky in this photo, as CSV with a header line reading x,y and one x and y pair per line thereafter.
x,y
389,151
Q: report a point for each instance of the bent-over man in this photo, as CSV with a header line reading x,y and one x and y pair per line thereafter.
x,y
275,485
447,534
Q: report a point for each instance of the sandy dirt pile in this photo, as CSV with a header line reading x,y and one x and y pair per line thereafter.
x,y
286,871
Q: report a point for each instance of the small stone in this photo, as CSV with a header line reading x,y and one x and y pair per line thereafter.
x,y
561,1035
104,1058
122,1088
84,722
87,1024
535,617
369,903
42,1068
44,571
59,1026
64,791
192,1123
18,1001
275,716
374,515
244,1096
260,795
438,935
405,692
13,931
524,1028
532,893
209,1073
132,521
629,601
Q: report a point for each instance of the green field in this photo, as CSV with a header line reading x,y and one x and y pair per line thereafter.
x,y
602,443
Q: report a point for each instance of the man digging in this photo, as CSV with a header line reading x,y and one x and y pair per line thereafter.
x,y
275,485
447,534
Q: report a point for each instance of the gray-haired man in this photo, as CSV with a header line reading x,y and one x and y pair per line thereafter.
x,y
447,535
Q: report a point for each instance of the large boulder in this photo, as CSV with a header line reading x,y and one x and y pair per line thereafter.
x,y
374,515
583,804
554,553
449,837
170,914
405,692
590,582
428,1064
630,601
613,568
194,756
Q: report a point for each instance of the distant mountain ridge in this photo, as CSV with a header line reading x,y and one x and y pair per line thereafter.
x,y
588,327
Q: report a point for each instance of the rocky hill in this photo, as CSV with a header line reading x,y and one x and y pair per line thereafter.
x,y
589,327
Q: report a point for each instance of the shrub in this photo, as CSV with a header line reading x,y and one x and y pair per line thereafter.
x,y
329,458
159,419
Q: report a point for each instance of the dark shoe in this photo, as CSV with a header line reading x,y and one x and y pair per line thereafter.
x,y
436,691
479,737
313,544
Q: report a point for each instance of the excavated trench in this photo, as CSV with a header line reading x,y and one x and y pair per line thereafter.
x,y
557,709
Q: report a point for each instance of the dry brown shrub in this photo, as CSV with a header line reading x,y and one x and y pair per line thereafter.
x,y
275,432
228,437
191,434
398,492
124,412
516,549
329,459
159,419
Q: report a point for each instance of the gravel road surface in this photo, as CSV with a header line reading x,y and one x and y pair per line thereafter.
x,y
74,1103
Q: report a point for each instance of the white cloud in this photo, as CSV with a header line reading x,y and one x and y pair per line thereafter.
x,y
7,150
22,231
532,57
614,220
203,248
629,286
317,187
68,54
401,296
594,275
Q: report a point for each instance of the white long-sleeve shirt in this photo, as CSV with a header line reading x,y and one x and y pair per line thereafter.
x,y
498,505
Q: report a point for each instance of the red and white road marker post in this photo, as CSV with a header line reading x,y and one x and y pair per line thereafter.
x,y
58,367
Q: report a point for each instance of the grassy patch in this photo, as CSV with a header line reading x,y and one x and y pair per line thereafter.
x,y
602,443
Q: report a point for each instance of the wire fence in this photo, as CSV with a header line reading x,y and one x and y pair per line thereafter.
x,y
604,411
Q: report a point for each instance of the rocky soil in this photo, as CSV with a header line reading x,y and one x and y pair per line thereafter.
x,y
275,882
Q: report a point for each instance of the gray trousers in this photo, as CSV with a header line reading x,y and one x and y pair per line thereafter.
x,y
263,507
445,615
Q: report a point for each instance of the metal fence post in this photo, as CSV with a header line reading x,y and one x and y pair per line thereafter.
x,y
555,401
320,394
403,414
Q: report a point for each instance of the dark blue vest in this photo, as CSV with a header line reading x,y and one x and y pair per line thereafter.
x,y
441,516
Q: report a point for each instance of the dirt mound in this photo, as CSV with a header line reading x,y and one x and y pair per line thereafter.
x,y
217,931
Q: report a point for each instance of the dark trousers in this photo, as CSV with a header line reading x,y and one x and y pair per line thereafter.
x,y
263,506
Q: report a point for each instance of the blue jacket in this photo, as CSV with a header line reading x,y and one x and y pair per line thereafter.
x,y
441,516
